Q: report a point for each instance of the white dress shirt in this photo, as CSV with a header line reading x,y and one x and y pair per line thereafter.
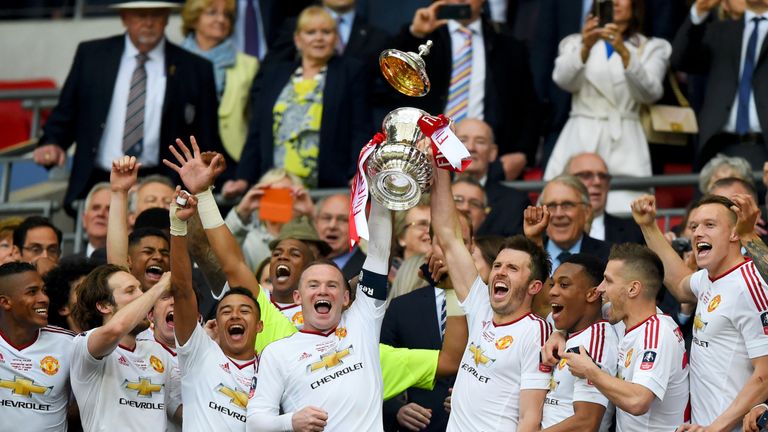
x,y
240,27
597,230
749,27
111,143
477,78
498,10
345,26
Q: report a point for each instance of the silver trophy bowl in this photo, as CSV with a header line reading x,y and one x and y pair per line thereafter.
x,y
398,170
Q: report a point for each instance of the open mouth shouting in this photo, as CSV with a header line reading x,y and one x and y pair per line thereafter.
x,y
153,273
282,273
169,319
557,309
236,332
500,290
702,249
323,307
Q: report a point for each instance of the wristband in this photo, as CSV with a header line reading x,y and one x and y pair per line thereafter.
x,y
208,210
178,226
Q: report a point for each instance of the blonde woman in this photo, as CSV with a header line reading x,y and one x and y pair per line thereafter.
x,y
207,26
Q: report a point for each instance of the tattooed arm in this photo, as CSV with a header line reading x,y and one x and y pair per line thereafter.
x,y
747,213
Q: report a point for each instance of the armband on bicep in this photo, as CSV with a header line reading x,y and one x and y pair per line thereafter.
x,y
373,285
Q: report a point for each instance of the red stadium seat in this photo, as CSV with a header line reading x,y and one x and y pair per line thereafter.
x,y
16,122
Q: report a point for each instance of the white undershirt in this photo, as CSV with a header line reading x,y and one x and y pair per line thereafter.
x,y
111,143
598,227
477,78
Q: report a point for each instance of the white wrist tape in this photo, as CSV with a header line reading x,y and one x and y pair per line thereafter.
x,y
178,226
209,213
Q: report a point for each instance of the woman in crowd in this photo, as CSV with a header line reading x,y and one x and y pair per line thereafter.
x,y
9,253
310,116
611,71
207,26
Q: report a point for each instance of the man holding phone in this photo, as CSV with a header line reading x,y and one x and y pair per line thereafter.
x,y
476,69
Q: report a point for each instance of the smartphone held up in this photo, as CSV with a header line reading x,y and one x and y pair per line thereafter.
x,y
454,11
603,10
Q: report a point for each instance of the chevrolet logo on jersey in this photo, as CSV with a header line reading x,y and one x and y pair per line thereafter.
x,y
236,397
478,356
24,387
698,323
143,387
330,360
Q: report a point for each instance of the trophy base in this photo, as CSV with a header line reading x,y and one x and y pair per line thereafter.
x,y
395,190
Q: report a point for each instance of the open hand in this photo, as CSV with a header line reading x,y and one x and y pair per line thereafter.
x,y
197,171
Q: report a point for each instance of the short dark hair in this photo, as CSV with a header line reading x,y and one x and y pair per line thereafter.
x,y
20,233
57,285
243,292
716,199
94,289
642,263
138,234
594,268
15,267
540,263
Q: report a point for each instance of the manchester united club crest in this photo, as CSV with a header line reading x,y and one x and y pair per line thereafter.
x,y
504,342
157,364
298,318
628,360
49,365
341,332
714,303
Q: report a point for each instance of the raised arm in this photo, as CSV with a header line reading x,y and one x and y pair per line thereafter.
x,y
445,224
122,178
747,213
104,339
198,176
185,302
677,276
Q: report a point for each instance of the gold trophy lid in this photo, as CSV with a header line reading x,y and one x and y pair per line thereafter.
x,y
405,71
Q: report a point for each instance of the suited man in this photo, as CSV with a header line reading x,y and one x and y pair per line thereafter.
x,y
492,78
258,23
560,228
734,116
415,320
177,88
506,205
332,225
592,171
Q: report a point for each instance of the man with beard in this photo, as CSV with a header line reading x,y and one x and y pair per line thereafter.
x,y
34,373
729,355
651,390
121,383
574,403
501,383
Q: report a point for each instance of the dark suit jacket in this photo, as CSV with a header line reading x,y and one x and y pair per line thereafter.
x,y
507,206
354,264
189,107
510,100
411,322
622,230
344,129
714,48
592,246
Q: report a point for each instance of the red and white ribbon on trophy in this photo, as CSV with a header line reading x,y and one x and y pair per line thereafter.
x,y
358,199
448,150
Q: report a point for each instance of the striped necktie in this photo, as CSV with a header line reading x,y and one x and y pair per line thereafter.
x,y
133,132
443,318
458,92
339,40
745,84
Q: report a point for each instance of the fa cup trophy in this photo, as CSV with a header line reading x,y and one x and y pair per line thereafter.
x,y
405,71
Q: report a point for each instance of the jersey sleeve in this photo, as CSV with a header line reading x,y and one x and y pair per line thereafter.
x,y
750,316
173,387
603,348
193,352
696,282
276,325
84,367
403,368
264,404
654,366
535,374
476,302
368,310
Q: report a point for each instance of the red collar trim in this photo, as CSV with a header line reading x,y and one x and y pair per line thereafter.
x,y
746,260
282,308
19,348
166,347
510,322
586,328
243,365
326,334
626,332
128,349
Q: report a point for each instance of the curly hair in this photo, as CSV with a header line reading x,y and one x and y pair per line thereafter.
x,y
95,289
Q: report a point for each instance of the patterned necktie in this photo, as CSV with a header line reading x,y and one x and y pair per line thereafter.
x,y
458,92
133,132
745,85
563,256
443,318
339,41
252,42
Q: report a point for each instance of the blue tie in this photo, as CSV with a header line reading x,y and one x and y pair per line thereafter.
x,y
745,85
252,43
608,49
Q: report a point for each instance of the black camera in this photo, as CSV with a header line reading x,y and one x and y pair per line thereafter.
x,y
681,245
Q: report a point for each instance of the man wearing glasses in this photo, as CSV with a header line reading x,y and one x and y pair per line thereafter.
x,y
592,171
560,219
39,242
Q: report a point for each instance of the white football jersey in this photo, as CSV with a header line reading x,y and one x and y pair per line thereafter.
x,y
148,334
500,360
292,311
652,354
215,388
601,342
337,371
729,329
34,381
127,390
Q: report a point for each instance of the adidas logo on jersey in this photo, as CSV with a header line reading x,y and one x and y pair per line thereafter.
x,y
122,360
225,367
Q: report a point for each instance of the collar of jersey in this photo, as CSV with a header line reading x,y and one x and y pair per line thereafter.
x,y
626,332
20,348
586,328
510,322
326,334
727,272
